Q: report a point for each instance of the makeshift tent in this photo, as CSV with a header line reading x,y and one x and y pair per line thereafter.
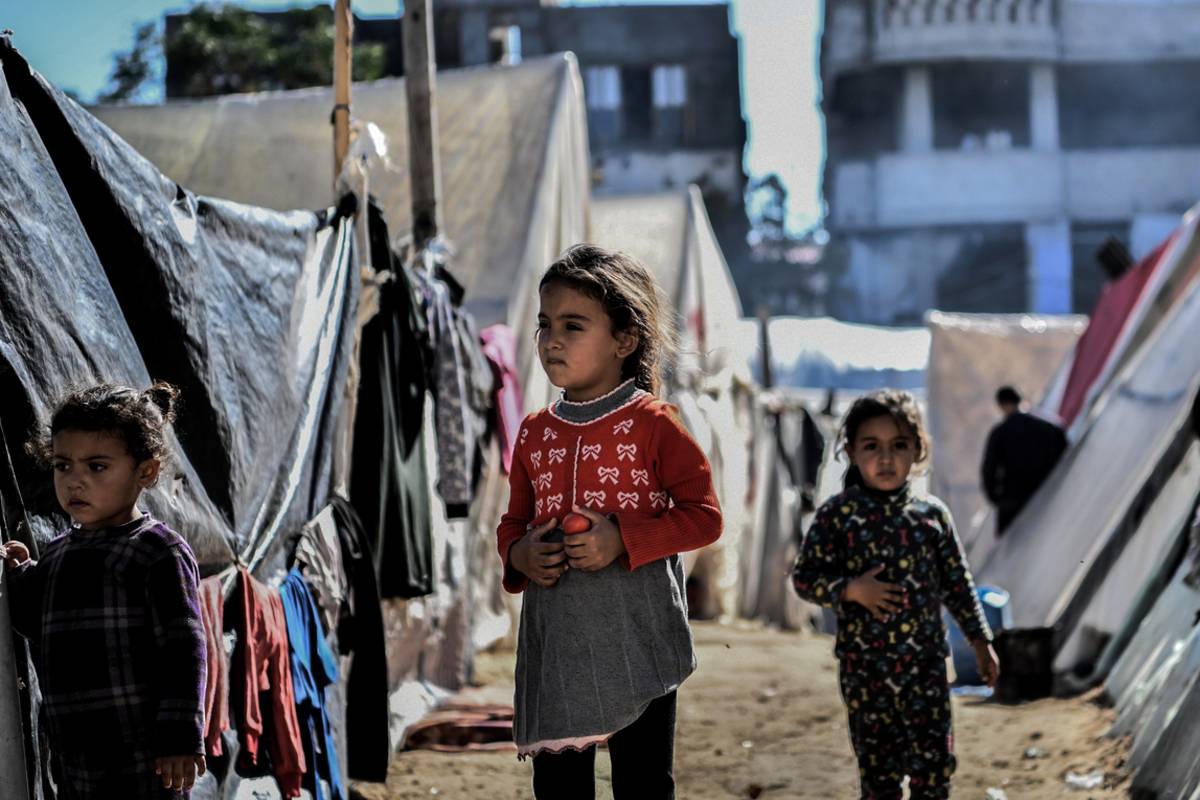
x,y
671,234
113,272
1155,690
1128,311
1077,528
970,357
513,147
824,353
515,180
1156,536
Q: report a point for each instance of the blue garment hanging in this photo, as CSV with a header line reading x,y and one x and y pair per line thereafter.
x,y
314,668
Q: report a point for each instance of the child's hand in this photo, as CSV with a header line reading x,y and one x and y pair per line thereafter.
x,y
14,553
881,599
542,562
988,663
596,547
179,772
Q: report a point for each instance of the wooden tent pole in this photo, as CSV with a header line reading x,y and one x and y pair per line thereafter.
x,y
420,84
343,30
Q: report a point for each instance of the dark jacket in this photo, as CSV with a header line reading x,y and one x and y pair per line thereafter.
x,y
1021,452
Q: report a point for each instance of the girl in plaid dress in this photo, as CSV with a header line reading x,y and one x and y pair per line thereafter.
x,y
111,608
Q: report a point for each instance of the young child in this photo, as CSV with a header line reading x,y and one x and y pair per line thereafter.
x,y
604,641
885,561
112,606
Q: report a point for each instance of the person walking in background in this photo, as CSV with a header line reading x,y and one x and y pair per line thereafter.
x,y
886,561
112,606
1020,454
604,641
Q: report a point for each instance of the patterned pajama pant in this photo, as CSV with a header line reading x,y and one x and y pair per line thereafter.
x,y
899,725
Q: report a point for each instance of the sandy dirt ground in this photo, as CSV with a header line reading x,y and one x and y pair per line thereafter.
x,y
762,718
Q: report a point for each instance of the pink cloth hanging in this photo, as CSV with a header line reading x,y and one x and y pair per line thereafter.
x,y
500,348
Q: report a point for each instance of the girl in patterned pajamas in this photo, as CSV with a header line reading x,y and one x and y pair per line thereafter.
x,y
886,561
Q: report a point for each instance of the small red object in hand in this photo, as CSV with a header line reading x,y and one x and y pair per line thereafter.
x,y
575,523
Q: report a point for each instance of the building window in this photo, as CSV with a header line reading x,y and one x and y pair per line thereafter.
x,y
669,93
980,106
602,91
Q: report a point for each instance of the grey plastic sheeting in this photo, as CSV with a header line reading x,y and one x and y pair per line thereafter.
x,y
1108,609
1074,529
1155,690
114,272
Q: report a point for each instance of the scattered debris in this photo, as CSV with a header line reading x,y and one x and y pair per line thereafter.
x,y
996,794
1036,752
754,790
747,744
1092,780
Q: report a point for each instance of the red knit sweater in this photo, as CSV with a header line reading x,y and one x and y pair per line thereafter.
x,y
637,464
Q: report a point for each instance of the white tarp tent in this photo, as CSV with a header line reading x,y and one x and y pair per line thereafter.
x,y
1076,528
971,356
825,353
670,232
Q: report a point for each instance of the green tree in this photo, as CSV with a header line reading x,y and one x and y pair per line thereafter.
x,y
223,49
133,70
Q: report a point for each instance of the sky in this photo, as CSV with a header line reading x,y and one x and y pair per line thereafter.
x,y
72,43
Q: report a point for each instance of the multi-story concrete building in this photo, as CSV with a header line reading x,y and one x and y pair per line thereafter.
x,y
981,151
662,86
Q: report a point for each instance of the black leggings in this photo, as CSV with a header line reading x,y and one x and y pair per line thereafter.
x,y
642,754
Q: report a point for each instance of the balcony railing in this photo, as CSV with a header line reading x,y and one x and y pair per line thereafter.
x,y
920,29
899,190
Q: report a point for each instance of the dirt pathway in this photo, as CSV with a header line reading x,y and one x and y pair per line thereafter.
x,y
762,718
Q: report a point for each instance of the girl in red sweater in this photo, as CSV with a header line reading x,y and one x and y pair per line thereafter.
x,y
604,641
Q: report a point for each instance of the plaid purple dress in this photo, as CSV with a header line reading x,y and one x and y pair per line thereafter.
x,y
114,619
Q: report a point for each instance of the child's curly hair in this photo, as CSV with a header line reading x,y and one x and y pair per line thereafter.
x,y
631,298
901,407
139,419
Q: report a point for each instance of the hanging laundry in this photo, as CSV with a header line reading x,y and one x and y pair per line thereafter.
x,y
314,669
500,348
389,483
216,686
263,675
448,373
319,553
368,737
461,379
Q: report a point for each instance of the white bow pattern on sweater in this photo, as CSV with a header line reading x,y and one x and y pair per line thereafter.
x,y
641,477
609,475
594,497
548,434
624,426
626,452
557,455
554,502
658,499
591,452
544,480
628,499
535,458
